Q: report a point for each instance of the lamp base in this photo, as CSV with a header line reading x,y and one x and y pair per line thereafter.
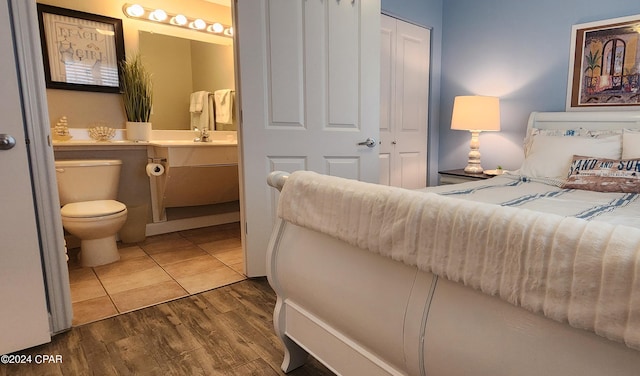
x,y
473,165
474,169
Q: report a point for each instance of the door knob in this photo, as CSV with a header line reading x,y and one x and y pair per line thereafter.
x,y
369,142
6,142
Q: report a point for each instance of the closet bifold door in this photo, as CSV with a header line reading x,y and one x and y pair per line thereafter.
x,y
404,103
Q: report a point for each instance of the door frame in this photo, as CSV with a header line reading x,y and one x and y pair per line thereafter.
x,y
42,168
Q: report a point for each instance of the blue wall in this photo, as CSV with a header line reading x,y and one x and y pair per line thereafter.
x,y
517,50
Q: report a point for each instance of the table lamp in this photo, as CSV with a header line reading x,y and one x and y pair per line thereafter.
x,y
475,113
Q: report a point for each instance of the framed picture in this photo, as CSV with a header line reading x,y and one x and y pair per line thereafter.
x,y
604,66
81,51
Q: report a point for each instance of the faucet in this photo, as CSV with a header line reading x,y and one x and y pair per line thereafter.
x,y
204,136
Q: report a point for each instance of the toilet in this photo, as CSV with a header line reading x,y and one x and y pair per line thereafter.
x,y
88,191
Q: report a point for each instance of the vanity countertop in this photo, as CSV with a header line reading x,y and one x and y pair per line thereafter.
x,y
185,143
127,143
159,139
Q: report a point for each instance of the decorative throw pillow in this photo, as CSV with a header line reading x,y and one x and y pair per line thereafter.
x,y
550,156
604,175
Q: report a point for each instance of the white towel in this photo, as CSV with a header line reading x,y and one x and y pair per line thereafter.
x,y
204,118
197,101
586,274
224,106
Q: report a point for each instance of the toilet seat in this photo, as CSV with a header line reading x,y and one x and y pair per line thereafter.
x,y
92,209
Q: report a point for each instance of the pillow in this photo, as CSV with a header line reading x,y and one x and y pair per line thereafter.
x,y
528,141
578,132
604,175
550,156
631,144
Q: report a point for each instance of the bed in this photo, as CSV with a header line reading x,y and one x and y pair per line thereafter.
x,y
535,272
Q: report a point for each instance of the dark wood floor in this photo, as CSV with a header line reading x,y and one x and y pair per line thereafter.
x,y
227,331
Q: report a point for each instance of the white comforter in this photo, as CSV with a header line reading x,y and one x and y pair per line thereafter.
x,y
584,273
512,191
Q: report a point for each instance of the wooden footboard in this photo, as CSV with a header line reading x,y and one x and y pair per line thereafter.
x,y
363,314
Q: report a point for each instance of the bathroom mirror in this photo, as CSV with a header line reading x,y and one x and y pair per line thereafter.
x,y
180,67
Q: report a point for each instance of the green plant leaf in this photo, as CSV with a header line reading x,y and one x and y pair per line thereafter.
x,y
137,89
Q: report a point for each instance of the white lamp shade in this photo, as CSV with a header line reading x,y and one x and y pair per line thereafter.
x,y
475,112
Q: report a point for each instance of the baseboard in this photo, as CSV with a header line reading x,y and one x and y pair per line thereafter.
x,y
191,223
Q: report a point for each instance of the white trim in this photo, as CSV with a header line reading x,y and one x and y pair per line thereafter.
x,y
393,15
34,102
191,223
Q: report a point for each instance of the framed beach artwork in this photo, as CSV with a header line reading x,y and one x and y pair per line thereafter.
x,y
604,68
81,51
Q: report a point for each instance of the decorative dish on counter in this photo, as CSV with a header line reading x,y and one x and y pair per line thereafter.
x,y
495,172
102,133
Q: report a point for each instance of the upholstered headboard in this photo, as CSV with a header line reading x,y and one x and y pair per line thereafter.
x,y
588,120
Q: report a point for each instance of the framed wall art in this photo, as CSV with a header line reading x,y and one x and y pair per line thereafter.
x,y
81,51
604,68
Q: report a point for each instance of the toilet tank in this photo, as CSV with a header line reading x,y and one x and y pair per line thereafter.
x,y
87,180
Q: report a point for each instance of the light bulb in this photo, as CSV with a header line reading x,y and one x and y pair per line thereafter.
x,y
179,20
198,24
229,31
135,10
216,28
158,15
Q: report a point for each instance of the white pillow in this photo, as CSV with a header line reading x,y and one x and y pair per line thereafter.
x,y
631,144
551,156
578,132
534,132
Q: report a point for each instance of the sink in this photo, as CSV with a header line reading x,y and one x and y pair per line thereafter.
x,y
196,173
191,143
163,138
189,153
186,137
178,148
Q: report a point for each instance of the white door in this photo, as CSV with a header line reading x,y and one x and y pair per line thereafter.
x,y
404,102
309,92
24,319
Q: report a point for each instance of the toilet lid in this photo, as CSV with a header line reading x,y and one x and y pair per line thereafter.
x,y
87,209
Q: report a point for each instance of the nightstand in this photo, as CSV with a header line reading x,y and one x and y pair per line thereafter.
x,y
459,176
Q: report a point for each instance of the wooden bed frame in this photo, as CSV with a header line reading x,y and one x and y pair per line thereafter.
x,y
363,314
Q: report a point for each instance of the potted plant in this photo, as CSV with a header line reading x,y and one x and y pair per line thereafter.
x,y
137,97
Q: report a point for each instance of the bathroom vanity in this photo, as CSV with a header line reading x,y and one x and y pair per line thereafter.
x,y
195,174
199,180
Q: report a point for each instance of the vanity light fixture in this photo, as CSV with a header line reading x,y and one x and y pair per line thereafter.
x,y
142,13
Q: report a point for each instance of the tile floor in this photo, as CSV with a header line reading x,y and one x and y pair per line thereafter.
x,y
159,269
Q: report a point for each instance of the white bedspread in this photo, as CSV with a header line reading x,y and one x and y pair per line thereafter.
x,y
585,273
615,208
